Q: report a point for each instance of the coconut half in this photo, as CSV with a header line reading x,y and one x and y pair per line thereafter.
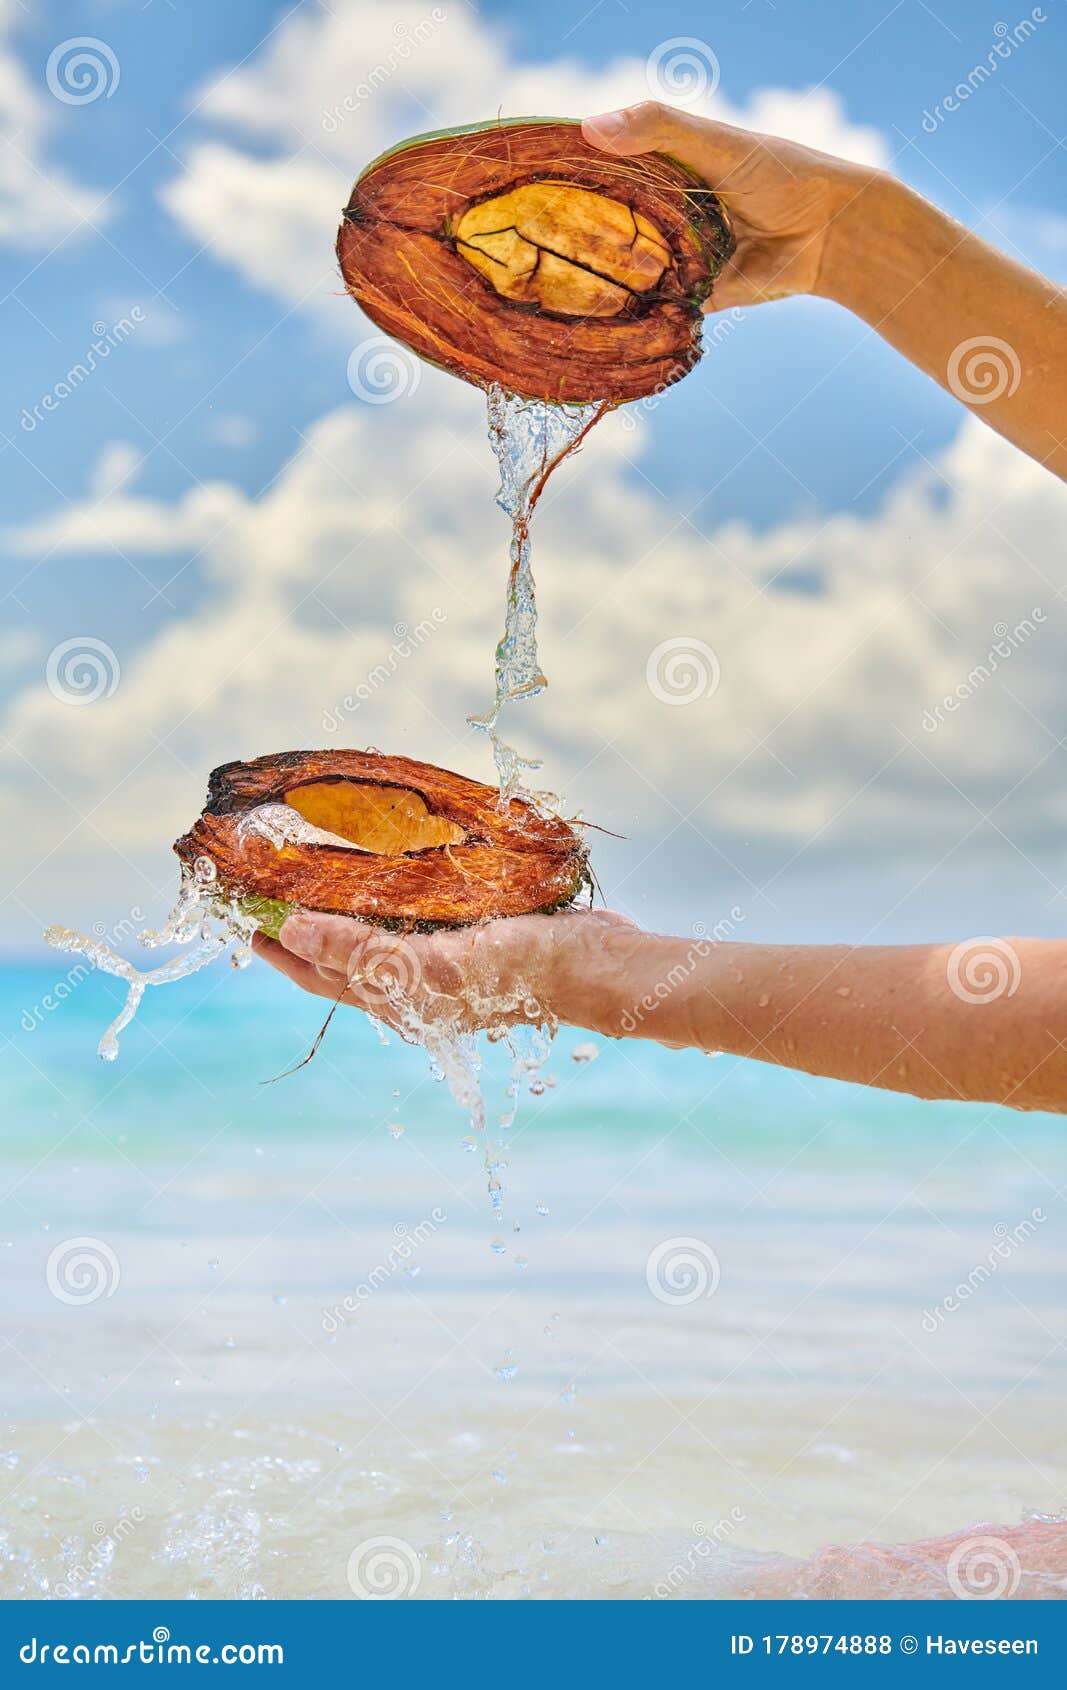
x,y
387,839
515,253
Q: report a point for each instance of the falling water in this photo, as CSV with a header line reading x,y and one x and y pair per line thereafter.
x,y
529,438
200,918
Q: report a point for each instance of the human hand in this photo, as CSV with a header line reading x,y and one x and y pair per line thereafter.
x,y
538,969
781,197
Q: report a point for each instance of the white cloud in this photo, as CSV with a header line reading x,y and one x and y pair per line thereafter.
x,y
816,730
37,198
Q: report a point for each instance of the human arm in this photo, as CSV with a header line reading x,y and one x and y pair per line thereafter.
x,y
980,1021
991,331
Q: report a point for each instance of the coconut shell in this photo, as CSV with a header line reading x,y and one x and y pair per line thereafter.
x,y
515,253
438,849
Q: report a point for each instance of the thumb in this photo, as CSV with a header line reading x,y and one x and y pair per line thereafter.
x,y
711,149
635,129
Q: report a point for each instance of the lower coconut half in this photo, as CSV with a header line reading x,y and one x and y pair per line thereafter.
x,y
386,840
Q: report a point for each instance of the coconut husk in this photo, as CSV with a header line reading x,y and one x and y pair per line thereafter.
x,y
515,253
409,845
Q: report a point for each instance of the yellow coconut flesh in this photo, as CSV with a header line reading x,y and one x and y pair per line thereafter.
x,y
387,820
563,248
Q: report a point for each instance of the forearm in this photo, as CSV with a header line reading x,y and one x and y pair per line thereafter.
x,y
930,1020
929,286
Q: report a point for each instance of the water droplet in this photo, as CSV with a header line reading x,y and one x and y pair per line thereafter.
x,y
584,1053
507,1370
542,1208
763,1000
844,991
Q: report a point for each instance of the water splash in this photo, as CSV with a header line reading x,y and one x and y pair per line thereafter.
x,y
200,918
455,1056
530,439
281,824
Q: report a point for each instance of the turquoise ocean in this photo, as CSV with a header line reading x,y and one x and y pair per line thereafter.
x,y
725,1315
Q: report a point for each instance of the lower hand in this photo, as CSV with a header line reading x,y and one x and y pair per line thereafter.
x,y
538,969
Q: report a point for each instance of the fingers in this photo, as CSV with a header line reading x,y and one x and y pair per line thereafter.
x,y
711,149
324,983
331,941
307,975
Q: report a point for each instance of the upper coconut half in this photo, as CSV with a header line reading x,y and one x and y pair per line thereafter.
x,y
517,253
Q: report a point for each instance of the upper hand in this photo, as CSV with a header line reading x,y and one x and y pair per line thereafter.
x,y
781,197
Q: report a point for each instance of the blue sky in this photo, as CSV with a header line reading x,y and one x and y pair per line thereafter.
x,y
202,191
